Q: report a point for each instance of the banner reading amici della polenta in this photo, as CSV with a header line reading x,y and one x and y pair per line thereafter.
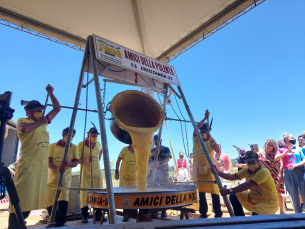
x,y
118,55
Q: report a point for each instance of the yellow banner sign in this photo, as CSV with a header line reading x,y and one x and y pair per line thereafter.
x,y
143,201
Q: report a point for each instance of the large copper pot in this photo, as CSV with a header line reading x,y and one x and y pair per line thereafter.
x,y
134,109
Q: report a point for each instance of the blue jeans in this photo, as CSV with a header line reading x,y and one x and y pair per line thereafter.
x,y
295,183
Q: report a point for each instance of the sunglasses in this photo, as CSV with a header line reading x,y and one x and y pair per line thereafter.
x,y
270,145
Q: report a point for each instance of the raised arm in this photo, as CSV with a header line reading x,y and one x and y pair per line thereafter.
x,y
207,114
280,156
51,115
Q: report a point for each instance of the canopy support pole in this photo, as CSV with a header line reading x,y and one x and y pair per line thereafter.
x,y
71,128
107,168
226,200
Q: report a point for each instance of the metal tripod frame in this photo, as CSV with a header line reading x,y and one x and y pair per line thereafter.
x,y
90,52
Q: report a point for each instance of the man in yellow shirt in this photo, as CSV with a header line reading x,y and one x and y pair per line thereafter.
x,y
56,166
201,169
127,174
31,174
258,194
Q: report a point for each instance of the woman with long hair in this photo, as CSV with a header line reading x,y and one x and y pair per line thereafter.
x,y
294,172
266,159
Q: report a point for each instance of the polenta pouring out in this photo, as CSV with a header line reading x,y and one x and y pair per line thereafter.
x,y
140,115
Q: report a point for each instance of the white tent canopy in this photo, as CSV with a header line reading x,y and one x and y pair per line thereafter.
x,y
160,29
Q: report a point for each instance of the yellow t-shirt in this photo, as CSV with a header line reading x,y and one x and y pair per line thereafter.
x,y
128,160
262,177
128,168
73,153
26,137
261,198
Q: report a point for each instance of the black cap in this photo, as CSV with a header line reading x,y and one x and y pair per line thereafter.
x,y
93,130
32,104
250,156
205,127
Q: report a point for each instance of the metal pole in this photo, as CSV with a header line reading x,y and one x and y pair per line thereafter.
x,y
171,87
159,136
206,151
107,168
45,104
81,109
83,189
180,120
86,85
76,102
91,160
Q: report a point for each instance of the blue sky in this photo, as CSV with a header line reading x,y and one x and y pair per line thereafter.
x,y
250,75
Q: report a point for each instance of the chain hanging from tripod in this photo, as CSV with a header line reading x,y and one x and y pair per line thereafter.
x,y
84,138
104,96
187,142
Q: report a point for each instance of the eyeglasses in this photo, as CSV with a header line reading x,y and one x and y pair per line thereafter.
x,y
270,145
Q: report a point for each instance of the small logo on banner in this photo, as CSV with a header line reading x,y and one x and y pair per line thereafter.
x,y
110,49
126,201
133,65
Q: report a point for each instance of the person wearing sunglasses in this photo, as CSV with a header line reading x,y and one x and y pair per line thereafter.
x,y
257,194
293,162
240,163
266,159
301,141
254,148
